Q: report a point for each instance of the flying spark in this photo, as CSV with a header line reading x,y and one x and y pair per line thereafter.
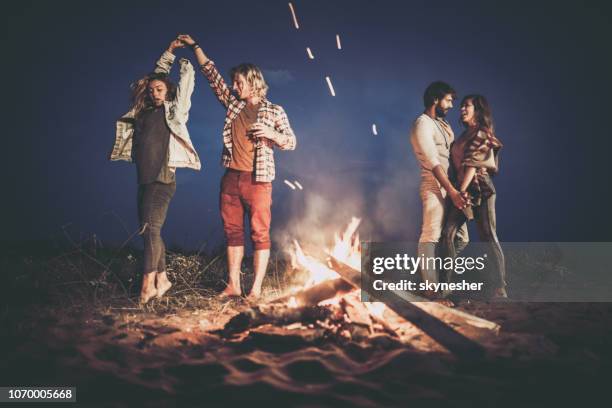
x,y
287,182
331,87
295,23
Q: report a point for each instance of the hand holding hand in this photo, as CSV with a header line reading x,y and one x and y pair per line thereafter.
x,y
175,44
467,197
458,199
186,39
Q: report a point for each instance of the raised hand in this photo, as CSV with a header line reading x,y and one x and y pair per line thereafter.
x,y
175,44
186,39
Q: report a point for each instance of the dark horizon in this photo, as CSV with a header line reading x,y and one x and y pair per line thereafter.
x,y
544,70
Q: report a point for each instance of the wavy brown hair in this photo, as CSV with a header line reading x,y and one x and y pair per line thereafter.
x,y
482,112
141,99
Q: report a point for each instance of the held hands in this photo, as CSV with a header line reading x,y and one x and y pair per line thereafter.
x,y
185,39
175,44
467,197
460,199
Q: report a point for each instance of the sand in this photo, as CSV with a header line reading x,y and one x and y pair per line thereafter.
x,y
545,353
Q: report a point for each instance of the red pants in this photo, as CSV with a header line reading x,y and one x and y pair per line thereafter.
x,y
240,192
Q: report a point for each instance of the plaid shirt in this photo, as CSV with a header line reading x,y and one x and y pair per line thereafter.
x,y
269,114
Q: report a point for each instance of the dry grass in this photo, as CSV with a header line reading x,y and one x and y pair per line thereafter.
x,y
86,276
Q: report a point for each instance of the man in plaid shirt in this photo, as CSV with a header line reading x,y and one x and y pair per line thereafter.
x,y
253,126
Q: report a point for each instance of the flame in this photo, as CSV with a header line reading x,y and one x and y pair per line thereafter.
x,y
318,271
346,249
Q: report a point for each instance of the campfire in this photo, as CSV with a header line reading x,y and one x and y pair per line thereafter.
x,y
328,305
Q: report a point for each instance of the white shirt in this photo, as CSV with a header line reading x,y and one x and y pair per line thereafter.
x,y
431,143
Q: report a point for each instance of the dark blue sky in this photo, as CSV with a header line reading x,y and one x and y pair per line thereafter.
x,y
545,69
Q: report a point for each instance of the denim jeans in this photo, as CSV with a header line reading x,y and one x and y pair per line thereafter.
x,y
484,215
153,201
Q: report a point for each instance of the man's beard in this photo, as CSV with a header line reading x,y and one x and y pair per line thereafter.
x,y
441,113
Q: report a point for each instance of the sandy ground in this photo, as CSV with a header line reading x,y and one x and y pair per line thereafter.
x,y
545,354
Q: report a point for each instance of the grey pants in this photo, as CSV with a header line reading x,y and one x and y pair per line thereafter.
x,y
153,201
484,215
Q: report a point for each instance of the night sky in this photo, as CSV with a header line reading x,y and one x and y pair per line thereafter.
x,y
545,68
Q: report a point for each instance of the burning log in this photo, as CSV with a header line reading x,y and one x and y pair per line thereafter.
x,y
433,318
274,314
318,293
356,312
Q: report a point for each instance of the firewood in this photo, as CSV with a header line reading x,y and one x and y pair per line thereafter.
x,y
318,293
273,314
437,309
356,312
433,318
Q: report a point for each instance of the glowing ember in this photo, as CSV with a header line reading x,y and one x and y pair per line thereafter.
x,y
376,308
290,184
309,53
298,185
295,22
374,130
338,44
292,302
331,87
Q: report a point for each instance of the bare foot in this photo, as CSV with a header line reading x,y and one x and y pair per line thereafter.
x,y
148,289
146,296
254,295
500,293
230,291
162,283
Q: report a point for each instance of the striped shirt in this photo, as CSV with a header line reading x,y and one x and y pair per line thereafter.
x,y
269,114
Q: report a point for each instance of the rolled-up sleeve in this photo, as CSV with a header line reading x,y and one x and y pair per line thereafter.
x,y
422,140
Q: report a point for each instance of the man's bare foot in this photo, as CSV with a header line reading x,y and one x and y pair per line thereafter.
x,y
162,283
500,293
230,291
254,295
148,289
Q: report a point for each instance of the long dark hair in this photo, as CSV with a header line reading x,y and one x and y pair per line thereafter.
x,y
484,120
141,99
482,113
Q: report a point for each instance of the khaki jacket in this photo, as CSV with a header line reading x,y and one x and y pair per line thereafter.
x,y
181,152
